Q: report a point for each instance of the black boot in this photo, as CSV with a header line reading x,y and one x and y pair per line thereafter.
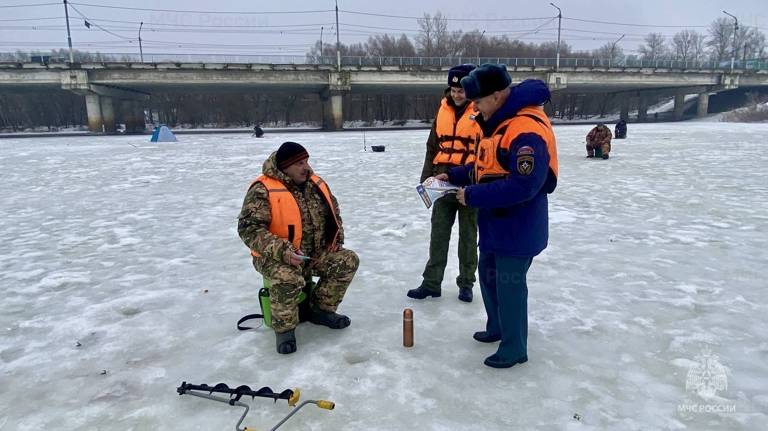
x,y
486,337
605,156
496,361
331,320
286,342
465,294
422,292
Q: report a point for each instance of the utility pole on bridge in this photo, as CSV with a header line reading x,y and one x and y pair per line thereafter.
x,y
735,30
69,36
338,43
559,19
141,51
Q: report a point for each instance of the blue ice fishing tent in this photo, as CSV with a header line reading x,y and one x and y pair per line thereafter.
x,y
163,134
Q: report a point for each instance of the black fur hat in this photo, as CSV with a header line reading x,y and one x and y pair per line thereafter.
x,y
457,72
486,80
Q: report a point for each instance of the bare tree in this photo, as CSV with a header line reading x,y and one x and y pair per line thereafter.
x,y
751,43
405,47
432,38
655,47
697,46
382,46
687,44
720,39
609,53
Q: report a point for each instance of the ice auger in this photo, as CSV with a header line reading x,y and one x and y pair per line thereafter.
x,y
290,395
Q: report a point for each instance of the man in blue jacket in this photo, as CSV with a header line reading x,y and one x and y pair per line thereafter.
x,y
514,171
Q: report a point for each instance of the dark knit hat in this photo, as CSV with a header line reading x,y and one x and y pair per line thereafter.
x,y
457,72
485,80
290,153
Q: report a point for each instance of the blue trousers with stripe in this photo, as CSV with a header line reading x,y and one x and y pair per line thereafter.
x,y
505,295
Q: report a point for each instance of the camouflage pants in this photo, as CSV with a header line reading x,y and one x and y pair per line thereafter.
x,y
335,270
592,146
443,217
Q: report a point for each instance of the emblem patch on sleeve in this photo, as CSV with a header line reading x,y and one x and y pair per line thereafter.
x,y
525,149
524,164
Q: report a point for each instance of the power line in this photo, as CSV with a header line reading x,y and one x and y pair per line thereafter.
x,y
636,25
87,22
29,5
31,19
203,11
203,26
447,19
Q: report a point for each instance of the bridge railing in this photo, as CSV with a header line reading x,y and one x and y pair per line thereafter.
x,y
427,62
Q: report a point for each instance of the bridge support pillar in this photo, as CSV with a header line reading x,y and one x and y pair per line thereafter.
x,y
333,115
624,108
679,106
133,114
107,115
93,110
703,105
642,108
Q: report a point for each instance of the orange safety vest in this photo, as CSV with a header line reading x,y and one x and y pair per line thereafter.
x,y
456,137
529,119
286,216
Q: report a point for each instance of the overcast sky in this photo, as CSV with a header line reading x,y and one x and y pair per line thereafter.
x,y
294,31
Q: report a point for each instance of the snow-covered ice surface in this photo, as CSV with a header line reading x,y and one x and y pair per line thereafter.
x,y
130,249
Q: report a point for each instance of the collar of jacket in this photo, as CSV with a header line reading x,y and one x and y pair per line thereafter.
x,y
527,93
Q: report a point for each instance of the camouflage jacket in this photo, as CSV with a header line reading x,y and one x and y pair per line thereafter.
x,y
599,135
256,215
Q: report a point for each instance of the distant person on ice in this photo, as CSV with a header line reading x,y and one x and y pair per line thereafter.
x,y
451,143
515,169
257,131
620,131
291,223
599,138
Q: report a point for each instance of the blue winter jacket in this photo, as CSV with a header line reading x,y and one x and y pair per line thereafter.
x,y
513,213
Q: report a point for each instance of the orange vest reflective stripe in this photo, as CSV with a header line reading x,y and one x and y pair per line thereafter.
x,y
456,137
286,215
528,120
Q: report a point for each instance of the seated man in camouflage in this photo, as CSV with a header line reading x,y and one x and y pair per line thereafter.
x,y
599,138
291,223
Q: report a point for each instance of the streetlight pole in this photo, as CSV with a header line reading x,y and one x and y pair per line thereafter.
x,y
479,42
338,42
735,30
321,44
613,49
559,20
69,36
141,50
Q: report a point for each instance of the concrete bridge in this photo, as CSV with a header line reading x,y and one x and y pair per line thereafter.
x,y
131,83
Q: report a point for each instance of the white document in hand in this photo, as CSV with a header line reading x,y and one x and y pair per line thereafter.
x,y
433,189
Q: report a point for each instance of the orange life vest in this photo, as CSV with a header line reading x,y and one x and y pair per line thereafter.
x,y
531,119
286,215
456,137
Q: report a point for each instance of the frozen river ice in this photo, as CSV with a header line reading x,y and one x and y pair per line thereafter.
x,y
122,275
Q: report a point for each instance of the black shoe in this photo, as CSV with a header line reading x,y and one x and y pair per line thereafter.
x,y
465,294
496,361
331,320
605,156
286,342
485,337
422,292
590,156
